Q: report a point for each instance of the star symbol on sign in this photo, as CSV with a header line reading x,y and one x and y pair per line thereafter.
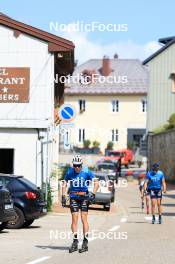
x,y
5,90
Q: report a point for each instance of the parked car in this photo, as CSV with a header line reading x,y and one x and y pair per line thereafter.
x,y
110,168
126,155
105,191
7,212
29,202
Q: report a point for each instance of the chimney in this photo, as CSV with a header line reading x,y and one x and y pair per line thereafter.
x,y
106,66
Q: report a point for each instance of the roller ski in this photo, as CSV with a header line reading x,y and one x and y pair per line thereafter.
x,y
84,246
153,219
74,246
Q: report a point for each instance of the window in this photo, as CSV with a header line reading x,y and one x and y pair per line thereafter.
x,y
114,135
82,105
144,106
14,185
172,77
81,136
115,106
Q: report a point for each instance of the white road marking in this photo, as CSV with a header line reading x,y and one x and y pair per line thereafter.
x,y
149,218
39,260
123,220
114,228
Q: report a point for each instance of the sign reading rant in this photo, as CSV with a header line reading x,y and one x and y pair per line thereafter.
x,y
14,85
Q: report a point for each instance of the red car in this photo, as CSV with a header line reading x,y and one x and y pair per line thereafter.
x,y
126,156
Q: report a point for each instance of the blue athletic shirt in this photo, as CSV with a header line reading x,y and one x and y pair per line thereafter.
x,y
78,181
155,180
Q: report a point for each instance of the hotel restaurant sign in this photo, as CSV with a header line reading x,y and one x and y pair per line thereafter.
x,y
14,85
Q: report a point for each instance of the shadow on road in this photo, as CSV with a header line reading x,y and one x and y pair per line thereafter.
x,y
169,196
52,247
168,205
96,209
168,214
31,227
4,232
136,222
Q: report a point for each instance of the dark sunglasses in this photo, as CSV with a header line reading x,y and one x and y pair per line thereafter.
x,y
77,165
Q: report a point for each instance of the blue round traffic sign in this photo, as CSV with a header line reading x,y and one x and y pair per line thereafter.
x,y
67,113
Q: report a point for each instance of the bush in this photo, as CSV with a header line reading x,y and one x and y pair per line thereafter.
x,y
96,144
63,171
168,126
86,143
110,145
130,145
171,121
49,198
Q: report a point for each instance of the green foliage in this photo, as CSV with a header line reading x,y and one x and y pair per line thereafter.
x,y
63,171
168,126
96,144
86,143
171,121
130,145
159,130
49,198
92,168
110,145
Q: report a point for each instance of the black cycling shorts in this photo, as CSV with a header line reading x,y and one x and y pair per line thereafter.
x,y
156,194
77,204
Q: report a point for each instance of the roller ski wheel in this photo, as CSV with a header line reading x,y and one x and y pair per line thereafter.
x,y
153,220
84,247
160,220
74,247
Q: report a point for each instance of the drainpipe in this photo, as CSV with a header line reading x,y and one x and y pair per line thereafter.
x,y
47,142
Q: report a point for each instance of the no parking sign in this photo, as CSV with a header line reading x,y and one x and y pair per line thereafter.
x,y
67,113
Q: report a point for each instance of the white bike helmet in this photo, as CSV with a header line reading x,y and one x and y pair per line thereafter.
x,y
77,160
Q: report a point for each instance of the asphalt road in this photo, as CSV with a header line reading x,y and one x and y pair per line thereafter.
x,y
124,235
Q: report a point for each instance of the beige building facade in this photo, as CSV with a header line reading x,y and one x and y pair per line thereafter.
x,y
109,112
99,123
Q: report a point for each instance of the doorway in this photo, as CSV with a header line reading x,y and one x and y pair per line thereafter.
x,y
7,161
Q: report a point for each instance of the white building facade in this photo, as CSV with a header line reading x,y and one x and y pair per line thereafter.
x,y
28,139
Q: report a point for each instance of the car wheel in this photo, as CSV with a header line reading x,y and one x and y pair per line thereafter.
x,y
107,207
28,223
18,221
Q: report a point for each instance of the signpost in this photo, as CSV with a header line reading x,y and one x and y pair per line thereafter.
x,y
66,140
67,114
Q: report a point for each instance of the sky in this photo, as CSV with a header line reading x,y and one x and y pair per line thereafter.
x,y
145,20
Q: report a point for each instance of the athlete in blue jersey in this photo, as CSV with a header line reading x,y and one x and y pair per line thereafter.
x,y
155,182
79,178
